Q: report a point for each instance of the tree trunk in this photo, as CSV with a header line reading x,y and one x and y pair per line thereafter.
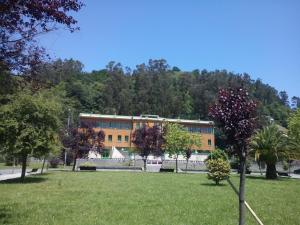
x,y
259,166
271,171
145,164
176,163
242,209
24,164
187,161
74,162
133,159
43,165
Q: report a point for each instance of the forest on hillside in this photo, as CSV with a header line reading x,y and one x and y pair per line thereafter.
x,y
152,88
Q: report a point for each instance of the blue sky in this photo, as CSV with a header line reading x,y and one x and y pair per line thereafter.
x,y
261,38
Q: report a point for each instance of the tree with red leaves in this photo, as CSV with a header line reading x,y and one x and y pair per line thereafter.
x,y
235,113
21,21
83,140
148,140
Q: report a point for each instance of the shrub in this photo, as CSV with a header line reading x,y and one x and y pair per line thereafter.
x,y
218,170
54,162
88,164
217,154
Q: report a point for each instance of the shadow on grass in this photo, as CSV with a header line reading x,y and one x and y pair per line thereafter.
x,y
214,185
27,180
5,215
264,178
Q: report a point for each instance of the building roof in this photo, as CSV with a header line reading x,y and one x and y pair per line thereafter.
x,y
153,118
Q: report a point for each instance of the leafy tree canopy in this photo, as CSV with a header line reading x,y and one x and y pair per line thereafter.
x,y
150,88
148,140
294,135
30,124
269,145
22,21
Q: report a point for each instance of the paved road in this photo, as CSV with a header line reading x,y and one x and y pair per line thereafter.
x,y
9,171
7,174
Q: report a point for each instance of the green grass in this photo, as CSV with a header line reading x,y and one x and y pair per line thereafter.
x,y
112,198
29,166
3,166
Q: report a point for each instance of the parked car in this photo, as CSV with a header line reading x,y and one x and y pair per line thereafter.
x,y
297,171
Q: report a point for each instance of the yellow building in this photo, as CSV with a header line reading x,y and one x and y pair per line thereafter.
x,y
119,129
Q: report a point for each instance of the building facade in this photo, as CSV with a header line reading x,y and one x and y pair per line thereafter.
x,y
119,130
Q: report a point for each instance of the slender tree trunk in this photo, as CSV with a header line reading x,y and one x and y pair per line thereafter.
x,y
271,171
145,163
24,164
242,209
133,159
259,166
289,167
186,165
176,163
74,162
43,165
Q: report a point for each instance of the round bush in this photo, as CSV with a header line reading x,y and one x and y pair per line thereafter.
x,y
218,170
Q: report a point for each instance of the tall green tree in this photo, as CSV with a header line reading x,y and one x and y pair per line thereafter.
x,y
177,141
269,145
295,102
294,135
29,126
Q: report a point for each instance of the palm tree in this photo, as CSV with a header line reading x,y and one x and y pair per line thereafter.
x,y
269,146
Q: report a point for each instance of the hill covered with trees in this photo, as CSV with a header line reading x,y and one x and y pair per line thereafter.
x,y
154,88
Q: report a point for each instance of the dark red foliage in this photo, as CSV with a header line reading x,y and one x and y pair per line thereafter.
x,y
235,112
148,140
82,140
22,20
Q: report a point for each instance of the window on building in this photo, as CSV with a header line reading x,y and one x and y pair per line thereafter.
x,y
105,153
119,138
209,142
110,138
126,138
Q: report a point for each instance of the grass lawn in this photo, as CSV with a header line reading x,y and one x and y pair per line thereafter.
x,y
112,198
3,166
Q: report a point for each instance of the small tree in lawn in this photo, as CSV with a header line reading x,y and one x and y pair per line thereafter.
x,y
218,169
148,140
29,126
193,142
177,140
235,113
82,140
